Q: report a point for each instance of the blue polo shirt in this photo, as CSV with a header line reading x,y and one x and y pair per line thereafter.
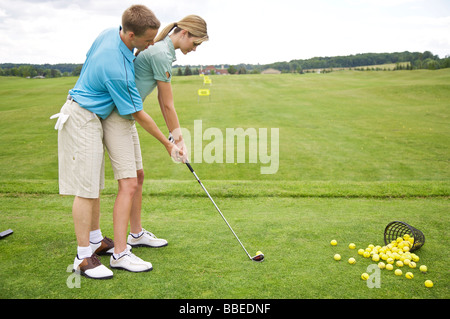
x,y
107,78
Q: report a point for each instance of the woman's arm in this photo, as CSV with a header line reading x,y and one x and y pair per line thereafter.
x,y
166,103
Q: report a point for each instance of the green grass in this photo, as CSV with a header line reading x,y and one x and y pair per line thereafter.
x,y
357,151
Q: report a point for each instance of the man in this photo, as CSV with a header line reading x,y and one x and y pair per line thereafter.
x,y
106,81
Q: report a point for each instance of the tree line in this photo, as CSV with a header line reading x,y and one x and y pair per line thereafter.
x,y
403,60
416,60
40,70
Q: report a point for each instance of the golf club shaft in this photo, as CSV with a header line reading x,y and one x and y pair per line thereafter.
x,y
198,180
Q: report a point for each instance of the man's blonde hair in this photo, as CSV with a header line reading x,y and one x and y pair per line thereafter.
x,y
138,18
193,24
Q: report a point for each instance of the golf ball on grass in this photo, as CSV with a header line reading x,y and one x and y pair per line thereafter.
x,y
333,242
352,246
409,275
389,267
365,276
423,268
428,283
337,257
381,265
352,261
398,272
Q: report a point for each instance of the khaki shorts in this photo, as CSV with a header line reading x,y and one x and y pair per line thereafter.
x,y
121,139
81,156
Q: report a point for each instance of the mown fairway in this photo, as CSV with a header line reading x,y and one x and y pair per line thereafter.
x,y
357,150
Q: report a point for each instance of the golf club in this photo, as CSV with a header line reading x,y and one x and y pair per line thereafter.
x,y
260,256
5,233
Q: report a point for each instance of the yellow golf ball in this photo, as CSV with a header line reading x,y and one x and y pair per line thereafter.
x,y
333,242
360,251
365,276
389,267
390,261
409,275
399,263
398,272
428,283
366,254
351,261
352,246
381,265
412,264
376,257
259,253
423,268
337,257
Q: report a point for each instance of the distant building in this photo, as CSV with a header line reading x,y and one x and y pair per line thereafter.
x,y
270,71
213,70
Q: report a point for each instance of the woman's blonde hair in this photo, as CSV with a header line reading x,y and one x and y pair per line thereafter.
x,y
193,24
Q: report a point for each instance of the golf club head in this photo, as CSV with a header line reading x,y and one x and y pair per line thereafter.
x,y
258,258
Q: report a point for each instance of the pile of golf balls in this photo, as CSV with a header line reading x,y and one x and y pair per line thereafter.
x,y
395,254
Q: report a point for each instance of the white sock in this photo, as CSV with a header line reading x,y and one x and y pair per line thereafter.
x,y
117,256
137,235
84,252
95,236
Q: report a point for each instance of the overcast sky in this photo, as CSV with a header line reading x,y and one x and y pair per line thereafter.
x,y
241,31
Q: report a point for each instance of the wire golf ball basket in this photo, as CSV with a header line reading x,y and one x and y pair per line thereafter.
x,y
397,229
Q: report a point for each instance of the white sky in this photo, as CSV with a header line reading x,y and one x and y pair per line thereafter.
x,y
240,31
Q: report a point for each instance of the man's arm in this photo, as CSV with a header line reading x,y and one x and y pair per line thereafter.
x,y
150,126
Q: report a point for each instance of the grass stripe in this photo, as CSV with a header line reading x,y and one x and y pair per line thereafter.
x,y
249,189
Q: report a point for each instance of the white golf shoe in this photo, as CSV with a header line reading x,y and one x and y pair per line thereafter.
x,y
91,267
147,239
130,262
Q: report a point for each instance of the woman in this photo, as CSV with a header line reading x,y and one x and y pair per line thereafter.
x,y
153,68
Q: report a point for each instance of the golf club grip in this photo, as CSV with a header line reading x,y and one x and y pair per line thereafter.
x,y
190,167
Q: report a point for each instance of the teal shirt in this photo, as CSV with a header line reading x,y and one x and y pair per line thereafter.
x,y
151,66
107,78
